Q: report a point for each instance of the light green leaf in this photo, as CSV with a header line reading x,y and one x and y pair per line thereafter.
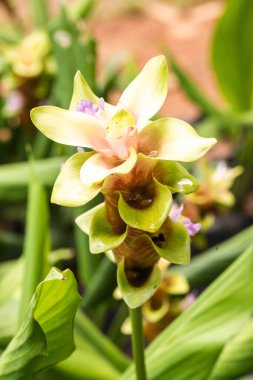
x,y
137,296
193,91
236,357
190,347
151,217
14,178
45,337
68,189
204,268
232,53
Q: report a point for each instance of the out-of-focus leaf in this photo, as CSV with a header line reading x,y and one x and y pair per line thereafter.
x,y
232,53
98,289
36,242
67,42
193,92
10,280
14,178
90,333
236,357
81,9
192,345
46,336
204,268
39,13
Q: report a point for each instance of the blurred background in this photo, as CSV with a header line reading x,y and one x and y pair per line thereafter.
x,y
209,49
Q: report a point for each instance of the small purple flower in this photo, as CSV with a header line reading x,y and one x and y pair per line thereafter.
x,y
80,149
176,211
192,228
86,106
176,215
101,103
189,300
15,101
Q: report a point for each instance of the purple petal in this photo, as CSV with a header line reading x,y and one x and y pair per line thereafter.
x,y
176,212
101,103
191,227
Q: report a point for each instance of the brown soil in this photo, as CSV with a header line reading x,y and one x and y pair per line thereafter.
x,y
185,32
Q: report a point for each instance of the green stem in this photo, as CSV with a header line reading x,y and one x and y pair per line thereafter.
x,y
36,244
138,343
39,13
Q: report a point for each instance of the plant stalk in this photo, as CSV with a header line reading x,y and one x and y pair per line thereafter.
x,y
138,343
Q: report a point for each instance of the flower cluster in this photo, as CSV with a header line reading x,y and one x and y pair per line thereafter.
x,y
133,162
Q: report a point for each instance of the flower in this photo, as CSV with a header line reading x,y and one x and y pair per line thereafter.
x,y
136,252
28,57
216,182
176,215
117,134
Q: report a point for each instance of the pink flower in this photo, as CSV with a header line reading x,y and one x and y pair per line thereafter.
x,y
117,134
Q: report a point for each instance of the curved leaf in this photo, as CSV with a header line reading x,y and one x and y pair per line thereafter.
x,y
191,346
46,336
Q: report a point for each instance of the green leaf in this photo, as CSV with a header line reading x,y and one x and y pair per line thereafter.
x,y
148,218
40,13
67,42
137,296
14,178
45,337
232,54
236,357
81,9
90,333
36,242
190,347
193,92
204,268
98,290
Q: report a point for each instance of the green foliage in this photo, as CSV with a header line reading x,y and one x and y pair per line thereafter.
x,y
67,42
211,334
14,178
232,54
45,336
205,267
36,243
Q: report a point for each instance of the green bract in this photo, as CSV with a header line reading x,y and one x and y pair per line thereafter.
x,y
136,296
45,337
